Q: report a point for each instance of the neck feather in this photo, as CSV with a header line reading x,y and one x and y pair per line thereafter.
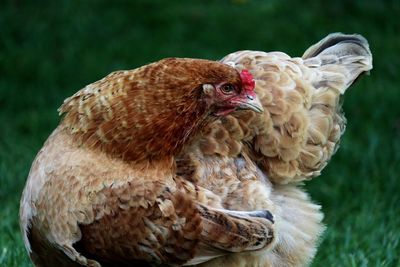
x,y
126,126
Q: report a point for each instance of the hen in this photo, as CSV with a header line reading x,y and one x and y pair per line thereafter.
x,y
101,206
237,157
103,188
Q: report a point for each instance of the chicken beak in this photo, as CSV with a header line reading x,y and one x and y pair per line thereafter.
x,y
251,102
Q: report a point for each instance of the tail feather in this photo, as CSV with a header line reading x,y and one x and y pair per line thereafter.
x,y
346,54
330,42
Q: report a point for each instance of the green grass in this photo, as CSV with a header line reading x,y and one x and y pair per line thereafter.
x,y
48,52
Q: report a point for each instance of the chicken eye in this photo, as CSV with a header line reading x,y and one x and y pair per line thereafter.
x,y
228,88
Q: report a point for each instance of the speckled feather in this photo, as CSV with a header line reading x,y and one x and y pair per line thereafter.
x,y
95,208
300,128
123,111
96,196
255,161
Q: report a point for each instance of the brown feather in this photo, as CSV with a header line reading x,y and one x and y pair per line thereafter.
x,y
103,188
146,113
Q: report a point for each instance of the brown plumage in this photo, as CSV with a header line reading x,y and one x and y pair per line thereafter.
x,y
190,187
126,111
103,188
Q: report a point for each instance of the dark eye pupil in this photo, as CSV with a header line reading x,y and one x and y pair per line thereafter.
x,y
228,88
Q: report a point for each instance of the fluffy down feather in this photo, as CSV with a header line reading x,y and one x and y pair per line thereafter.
x,y
241,185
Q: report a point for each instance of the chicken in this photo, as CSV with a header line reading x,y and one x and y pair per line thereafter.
x,y
254,161
104,190
231,169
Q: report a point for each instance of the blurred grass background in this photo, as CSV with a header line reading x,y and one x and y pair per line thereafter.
x,y
50,49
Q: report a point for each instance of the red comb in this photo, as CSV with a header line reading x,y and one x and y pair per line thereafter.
x,y
247,80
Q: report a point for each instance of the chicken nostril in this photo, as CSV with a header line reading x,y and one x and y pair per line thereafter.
x,y
250,97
